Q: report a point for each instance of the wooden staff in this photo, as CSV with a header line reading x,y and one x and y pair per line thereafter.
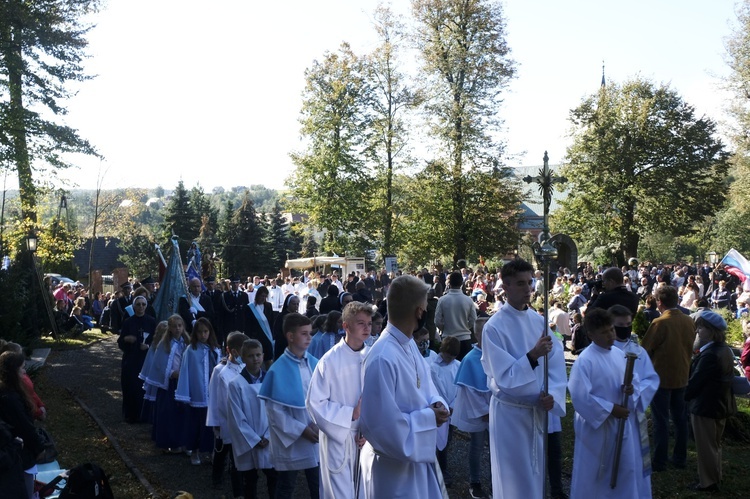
x,y
630,359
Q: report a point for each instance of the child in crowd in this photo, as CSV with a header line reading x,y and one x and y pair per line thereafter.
x,y
149,389
377,328
333,401
333,331
444,369
294,436
622,320
169,415
596,388
198,362
422,339
216,417
247,422
578,338
472,408
39,411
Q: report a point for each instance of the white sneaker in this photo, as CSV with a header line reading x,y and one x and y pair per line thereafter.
x,y
195,459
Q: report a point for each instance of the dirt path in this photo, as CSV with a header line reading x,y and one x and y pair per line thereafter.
x,y
93,375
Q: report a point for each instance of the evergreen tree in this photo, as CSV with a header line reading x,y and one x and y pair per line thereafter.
x,y
309,245
243,248
42,47
181,219
279,241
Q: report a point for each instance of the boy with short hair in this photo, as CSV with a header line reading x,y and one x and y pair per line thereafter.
x,y
596,388
444,368
248,423
216,416
294,436
472,408
622,320
334,404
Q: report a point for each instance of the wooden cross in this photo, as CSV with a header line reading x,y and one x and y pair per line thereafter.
x,y
546,182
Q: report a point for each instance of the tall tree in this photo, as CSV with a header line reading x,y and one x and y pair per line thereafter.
x,y
243,249
279,242
329,175
733,221
42,47
467,65
181,219
390,98
641,162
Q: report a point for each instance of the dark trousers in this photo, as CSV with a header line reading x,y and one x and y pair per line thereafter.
x,y
442,458
668,402
288,479
222,452
251,483
554,463
466,346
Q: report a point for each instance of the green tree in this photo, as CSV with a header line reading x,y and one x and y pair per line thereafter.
x,y
42,47
466,65
330,176
641,163
732,222
309,244
181,219
243,249
279,240
391,97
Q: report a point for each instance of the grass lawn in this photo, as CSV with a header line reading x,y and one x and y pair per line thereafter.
x,y
66,342
674,482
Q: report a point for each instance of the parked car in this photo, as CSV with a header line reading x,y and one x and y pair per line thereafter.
x,y
56,279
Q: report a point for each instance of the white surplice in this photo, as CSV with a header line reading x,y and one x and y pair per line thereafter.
x,y
247,424
216,415
335,390
648,384
398,460
595,386
444,376
516,417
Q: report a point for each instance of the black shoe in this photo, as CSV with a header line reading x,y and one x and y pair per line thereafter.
x,y
558,495
476,491
697,487
657,468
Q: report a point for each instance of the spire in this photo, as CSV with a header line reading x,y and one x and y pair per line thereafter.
x,y
603,81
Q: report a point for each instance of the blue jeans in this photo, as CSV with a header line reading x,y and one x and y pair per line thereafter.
x,y
286,480
668,402
476,446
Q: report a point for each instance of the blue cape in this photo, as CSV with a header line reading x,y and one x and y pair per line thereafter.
x,y
471,373
283,383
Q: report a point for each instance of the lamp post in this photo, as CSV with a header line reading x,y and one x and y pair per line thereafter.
x,y
712,257
31,244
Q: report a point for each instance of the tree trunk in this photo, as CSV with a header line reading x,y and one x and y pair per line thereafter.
x,y
20,153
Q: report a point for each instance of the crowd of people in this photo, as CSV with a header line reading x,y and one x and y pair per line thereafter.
x,y
359,384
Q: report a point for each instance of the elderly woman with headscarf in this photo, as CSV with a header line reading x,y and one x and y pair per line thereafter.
x,y
136,335
709,396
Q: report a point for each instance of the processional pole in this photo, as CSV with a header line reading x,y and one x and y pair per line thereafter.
x,y
545,251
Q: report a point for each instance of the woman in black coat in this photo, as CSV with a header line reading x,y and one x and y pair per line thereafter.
x,y
259,322
16,407
709,396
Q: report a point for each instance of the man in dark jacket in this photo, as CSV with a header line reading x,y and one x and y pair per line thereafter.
x,y
615,292
330,302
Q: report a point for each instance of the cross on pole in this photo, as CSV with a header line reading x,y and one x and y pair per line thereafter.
x,y
545,252
546,182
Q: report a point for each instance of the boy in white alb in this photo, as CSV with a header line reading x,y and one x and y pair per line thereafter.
x,y
401,409
513,354
334,404
596,390
216,416
294,435
444,369
248,423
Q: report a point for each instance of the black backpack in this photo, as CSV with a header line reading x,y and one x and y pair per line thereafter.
x,y
87,481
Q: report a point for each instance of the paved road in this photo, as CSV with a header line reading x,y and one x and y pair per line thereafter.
x,y
93,374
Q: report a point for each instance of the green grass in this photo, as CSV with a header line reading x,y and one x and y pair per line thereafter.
x,y
674,482
67,342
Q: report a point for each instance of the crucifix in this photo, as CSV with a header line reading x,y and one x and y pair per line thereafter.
x,y
545,251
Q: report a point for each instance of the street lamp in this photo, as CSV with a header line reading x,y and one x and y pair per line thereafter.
x,y
712,257
31,242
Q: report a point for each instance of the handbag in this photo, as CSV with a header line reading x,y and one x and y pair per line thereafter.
x,y
50,451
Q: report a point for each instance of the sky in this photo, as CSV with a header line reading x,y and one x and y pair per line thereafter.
x,y
210,92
